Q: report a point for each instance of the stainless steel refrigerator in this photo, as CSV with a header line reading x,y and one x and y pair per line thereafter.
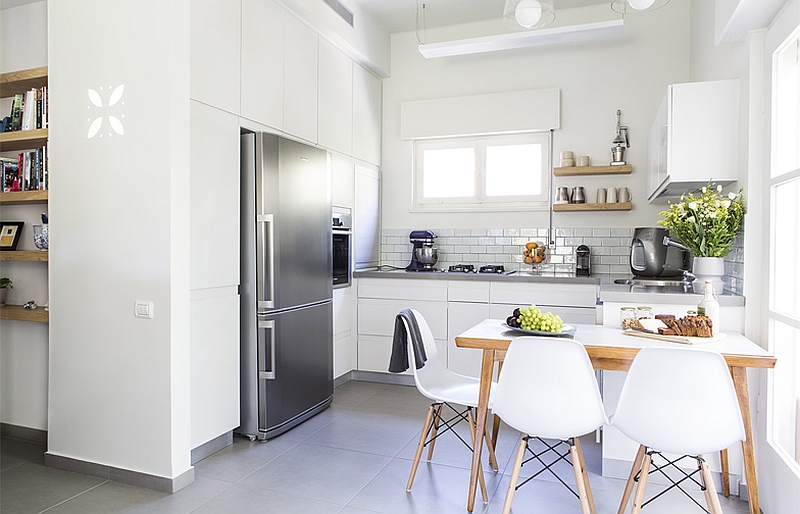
x,y
286,285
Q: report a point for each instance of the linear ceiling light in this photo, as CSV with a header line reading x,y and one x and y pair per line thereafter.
x,y
635,6
572,33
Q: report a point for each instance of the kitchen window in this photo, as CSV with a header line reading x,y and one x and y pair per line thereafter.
x,y
483,173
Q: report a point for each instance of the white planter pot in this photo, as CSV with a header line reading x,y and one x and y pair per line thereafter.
x,y
3,291
708,268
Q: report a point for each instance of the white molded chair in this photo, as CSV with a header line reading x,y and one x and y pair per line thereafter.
x,y
680,401
445,388
548,390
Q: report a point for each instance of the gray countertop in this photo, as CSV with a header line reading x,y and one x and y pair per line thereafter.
x,y
608,290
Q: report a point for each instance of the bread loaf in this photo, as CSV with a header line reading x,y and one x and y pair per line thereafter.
x,y
690,326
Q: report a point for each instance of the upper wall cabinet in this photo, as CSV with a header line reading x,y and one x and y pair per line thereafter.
x,y
215,53
262,62
300,80
335,99
367,105
694,139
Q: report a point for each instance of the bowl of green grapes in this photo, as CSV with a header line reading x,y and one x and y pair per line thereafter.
x,y
531,320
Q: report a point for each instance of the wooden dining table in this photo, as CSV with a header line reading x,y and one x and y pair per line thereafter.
x,y
609,348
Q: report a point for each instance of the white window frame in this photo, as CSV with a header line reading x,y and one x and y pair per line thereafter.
x,y
481,202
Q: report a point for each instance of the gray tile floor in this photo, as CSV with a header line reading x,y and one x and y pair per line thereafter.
x,y
353,458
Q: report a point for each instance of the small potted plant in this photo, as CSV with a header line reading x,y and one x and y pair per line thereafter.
x,y
706,224
5,285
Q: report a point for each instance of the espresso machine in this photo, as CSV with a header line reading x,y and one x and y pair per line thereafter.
x,y
423,255
583,261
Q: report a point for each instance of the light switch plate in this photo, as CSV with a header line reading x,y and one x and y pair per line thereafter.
x,y
143,309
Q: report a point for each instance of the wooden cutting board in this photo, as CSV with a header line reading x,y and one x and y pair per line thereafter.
x,y
675,339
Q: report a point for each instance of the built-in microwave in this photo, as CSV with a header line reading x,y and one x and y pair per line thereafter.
x,y
341,228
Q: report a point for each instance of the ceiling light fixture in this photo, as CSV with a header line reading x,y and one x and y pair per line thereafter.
x,y
528,14
637,6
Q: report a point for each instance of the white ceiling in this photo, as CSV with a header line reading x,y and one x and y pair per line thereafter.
x,y
399,15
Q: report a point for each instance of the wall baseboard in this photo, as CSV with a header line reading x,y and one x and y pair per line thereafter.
x,y
383,378
125,476
342,379
33,435
211,447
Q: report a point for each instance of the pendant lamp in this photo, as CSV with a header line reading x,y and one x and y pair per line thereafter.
x,y
637,6
528,14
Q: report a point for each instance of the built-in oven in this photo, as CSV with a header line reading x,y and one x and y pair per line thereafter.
x,y
341,228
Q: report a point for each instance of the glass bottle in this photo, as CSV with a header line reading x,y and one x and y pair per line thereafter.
x,y
644,312
709,306
627,317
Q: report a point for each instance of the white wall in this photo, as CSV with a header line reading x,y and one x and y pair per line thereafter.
x,y
24,345
119,210
595,78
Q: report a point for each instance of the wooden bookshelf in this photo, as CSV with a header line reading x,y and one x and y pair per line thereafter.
x,y
574,171
17,82
16,312
25,255
619,206
23,197
23,139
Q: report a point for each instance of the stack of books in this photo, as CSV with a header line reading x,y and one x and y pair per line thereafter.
x,y
29,110
28,172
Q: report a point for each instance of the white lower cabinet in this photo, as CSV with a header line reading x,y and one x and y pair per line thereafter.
x,y
451,308
344,337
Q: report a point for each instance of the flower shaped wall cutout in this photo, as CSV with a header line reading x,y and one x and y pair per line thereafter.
x,y
115,98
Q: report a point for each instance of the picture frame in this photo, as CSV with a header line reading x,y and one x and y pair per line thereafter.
x,y
10,232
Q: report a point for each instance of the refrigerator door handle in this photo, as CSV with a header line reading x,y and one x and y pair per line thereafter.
x,y
266,370
266,292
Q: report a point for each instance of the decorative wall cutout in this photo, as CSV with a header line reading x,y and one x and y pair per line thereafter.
x,y
114,121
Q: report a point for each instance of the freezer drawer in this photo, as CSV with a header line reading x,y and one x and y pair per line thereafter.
x,y
295,367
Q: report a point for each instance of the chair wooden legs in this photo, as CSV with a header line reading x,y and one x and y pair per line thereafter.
x,y
637,466
578,465
639,498
712,500
584,475
481,478
420,446
436,418
512,483
490,448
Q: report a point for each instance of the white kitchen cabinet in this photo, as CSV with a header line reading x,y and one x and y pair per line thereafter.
x,y
214,336
343,182
214,197
262,62
215,39
366,217
299,79
380,300
335,110
694,139
344,336
545,294
462,316
367,118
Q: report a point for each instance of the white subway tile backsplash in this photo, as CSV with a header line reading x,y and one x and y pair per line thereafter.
x,y
478,232
511,232
502,241
583,232
495,232
461,232
445,232
528,232
601,232
621,232
612,241
486,241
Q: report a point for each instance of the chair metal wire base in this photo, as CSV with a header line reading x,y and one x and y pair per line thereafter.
x,y
439,420
558,457
675,484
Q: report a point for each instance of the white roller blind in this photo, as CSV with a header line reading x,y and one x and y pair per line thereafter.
x,y
497,113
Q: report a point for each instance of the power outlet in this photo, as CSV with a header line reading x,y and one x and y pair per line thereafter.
x,y
143,309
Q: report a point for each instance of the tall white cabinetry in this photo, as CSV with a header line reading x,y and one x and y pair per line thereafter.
x,y
366,217
215,38
694,138
367,119
300,79
214,272
335,99
262,62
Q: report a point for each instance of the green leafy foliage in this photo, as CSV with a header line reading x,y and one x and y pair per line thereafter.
x,y
707,224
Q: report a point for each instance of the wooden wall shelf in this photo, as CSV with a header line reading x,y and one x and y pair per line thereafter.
x,y
23,139
25,255
16,82
16,312
573,171
619,206
23,197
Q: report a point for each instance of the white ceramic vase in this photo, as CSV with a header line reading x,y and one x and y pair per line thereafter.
x,y
708,268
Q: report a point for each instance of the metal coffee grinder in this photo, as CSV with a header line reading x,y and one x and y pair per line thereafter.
x,y
620,143
424,255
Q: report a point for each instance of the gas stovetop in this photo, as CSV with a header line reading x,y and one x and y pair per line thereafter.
x,y
496,269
